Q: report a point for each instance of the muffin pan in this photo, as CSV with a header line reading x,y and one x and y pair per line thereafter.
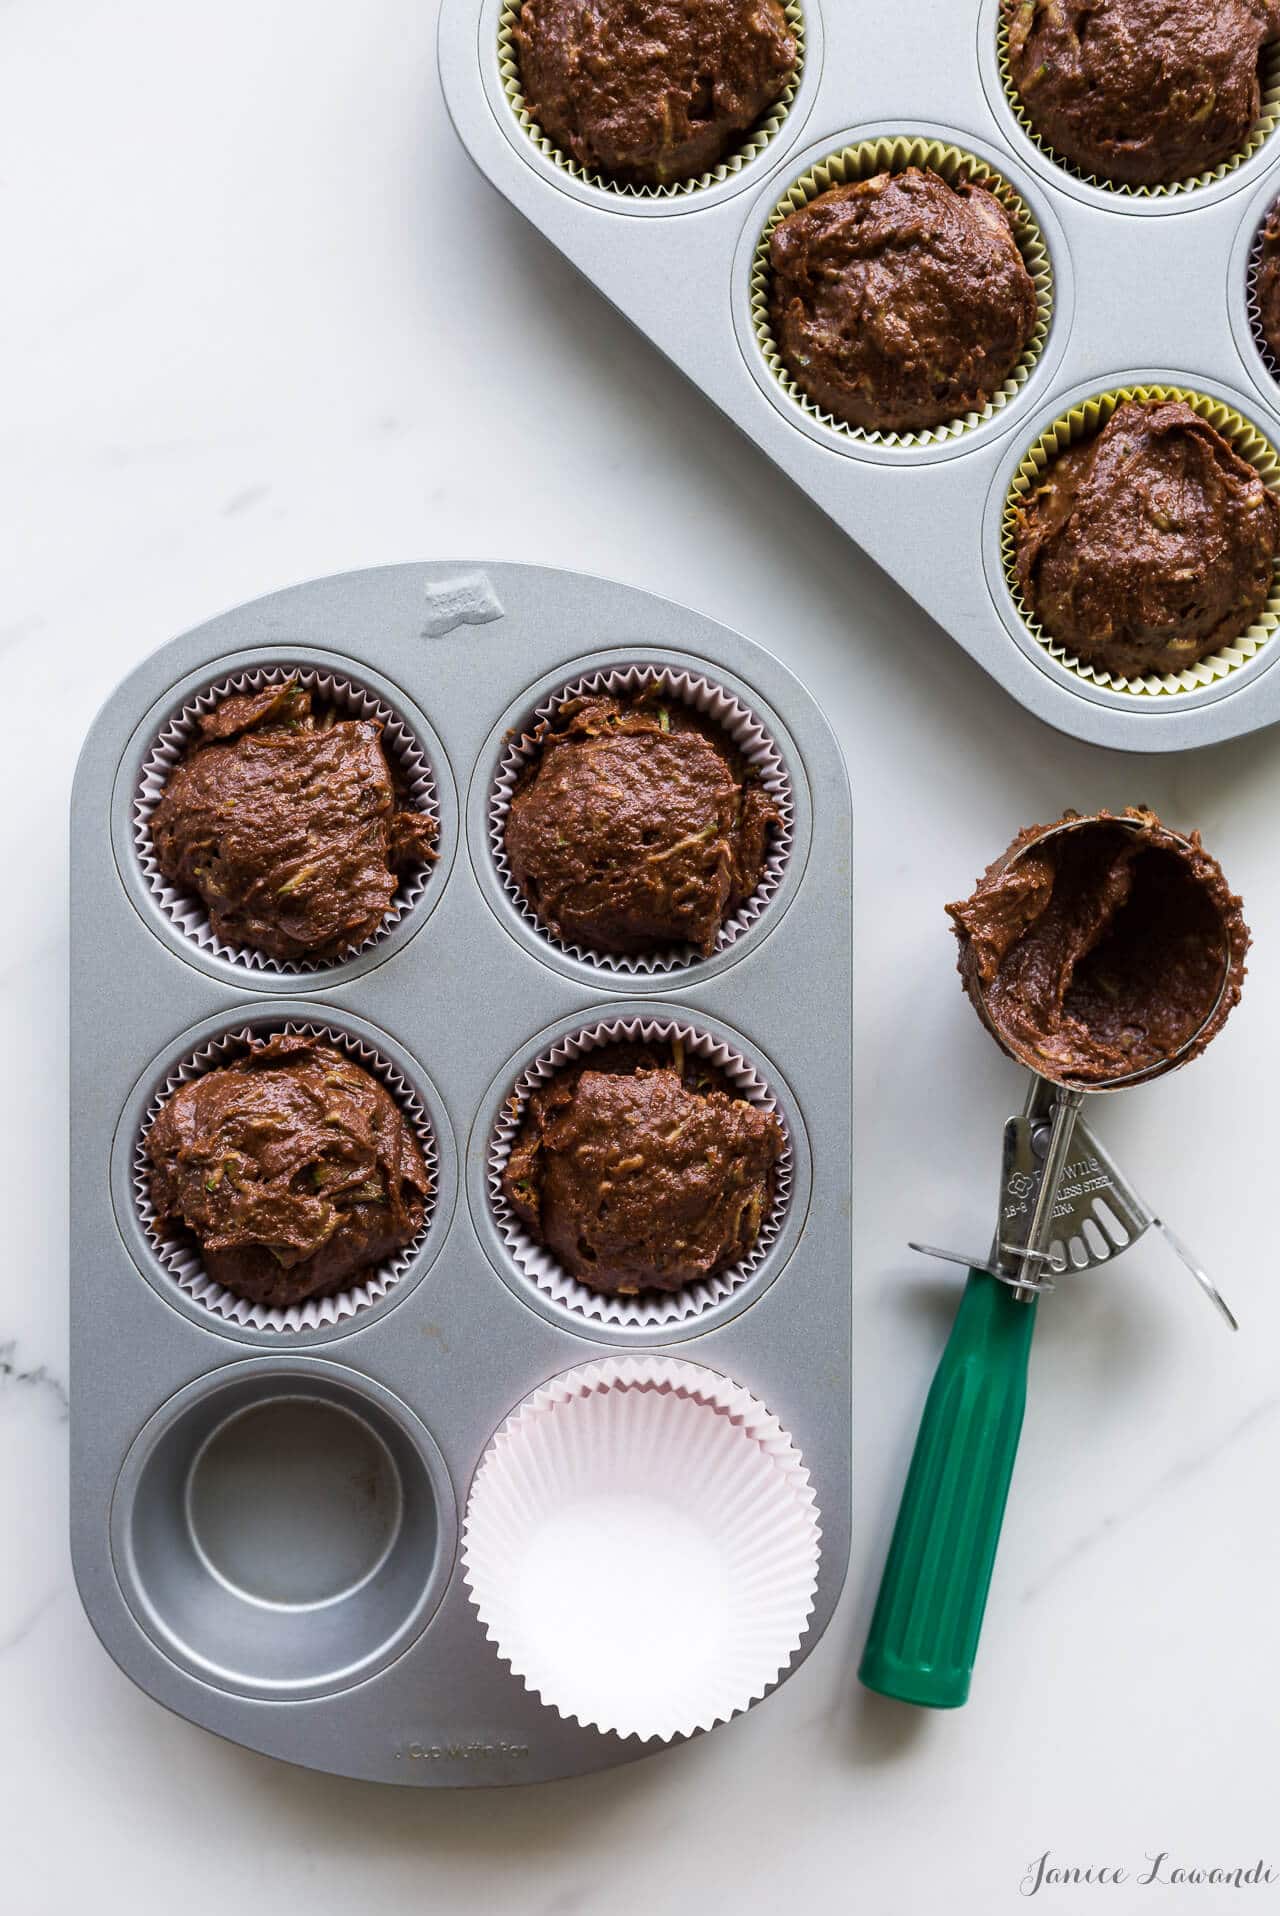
x,y
1148,289
267,1514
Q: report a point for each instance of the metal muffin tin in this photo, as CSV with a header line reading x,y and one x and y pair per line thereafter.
x,y
1148,290
265,1524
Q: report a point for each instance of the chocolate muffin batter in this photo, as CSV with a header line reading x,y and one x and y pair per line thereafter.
x,y
293,1170
1143,92
1103,951
638,826
900,302
1150,545
649,92
642,1170
285,820
1267,283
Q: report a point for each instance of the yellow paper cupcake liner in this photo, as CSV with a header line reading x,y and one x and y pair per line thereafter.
x,y
1263,127
1084,422
894,155
754,142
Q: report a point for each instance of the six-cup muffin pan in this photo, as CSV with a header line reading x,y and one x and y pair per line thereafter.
x,y
268,1507
1139,290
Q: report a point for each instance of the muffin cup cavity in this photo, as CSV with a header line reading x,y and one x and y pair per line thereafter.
x,y
1264,126
643,1473
186,912
752,145
863,162
283,1529
651,1310
1083,422
753,744
180,1258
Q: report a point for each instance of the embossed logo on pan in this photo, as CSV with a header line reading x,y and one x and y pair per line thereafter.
x,y
467,599
461,1752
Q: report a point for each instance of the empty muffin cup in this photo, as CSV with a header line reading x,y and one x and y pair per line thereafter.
x,y
538,1265
179,1256
742,729
753,143
895,155
405,754
1261,131
283,1531
641,1544
1083,422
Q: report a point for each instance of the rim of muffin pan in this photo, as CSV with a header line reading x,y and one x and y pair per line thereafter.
x,y
759,148
509,746
532,1273
173,1266
239,1552
860,153
178,919
1072,418
1119,196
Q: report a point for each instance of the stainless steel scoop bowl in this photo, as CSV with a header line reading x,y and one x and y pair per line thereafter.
x,y
1123,1080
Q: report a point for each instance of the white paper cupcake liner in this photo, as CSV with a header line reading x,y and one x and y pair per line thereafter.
x,y
181,1260
753,744
652,1310
1252,308
184,910
641,1545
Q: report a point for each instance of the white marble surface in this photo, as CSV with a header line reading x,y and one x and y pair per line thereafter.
x,y
262,321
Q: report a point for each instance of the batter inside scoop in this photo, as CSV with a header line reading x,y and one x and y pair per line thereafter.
x,y
1101,952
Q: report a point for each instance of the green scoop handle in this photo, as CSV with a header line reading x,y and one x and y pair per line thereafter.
x,y
928,1616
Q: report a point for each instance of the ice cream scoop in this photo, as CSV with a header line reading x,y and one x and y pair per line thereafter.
x,y
1102,952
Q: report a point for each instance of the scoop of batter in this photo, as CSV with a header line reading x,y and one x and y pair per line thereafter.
x,y
1150,545
651,91
1101,952
293,1169
285,820
900,302
637,827
643,1171
1140,91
